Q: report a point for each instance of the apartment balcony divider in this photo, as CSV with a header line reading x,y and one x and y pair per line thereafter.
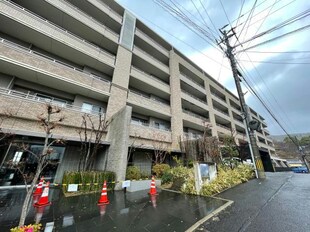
x,y
39,24
10,51
84,18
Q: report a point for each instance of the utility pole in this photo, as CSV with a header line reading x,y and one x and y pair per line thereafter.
x,y
258,165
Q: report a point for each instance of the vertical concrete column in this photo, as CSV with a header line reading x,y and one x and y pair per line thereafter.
x,y
120,81
211,110
118,136
175,100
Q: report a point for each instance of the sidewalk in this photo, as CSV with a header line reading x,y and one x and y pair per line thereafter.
x,y
168,211
279,203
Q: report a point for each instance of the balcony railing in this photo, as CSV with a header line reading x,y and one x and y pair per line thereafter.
x,y
218,97
34,98
62,30
225,127
222,111
116,15
192,80
149,125
149,75
58,62
192,136
234,107
148,98
195,115
187,93
147,54
101,25
151,39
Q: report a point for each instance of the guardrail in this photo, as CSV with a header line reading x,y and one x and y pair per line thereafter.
x,y
187,93
149,75
195,115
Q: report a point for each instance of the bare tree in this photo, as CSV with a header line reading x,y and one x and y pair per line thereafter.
x,y
91,133
48,123
160,149
133,146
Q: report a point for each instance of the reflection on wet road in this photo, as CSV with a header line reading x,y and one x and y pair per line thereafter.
x,y
167,211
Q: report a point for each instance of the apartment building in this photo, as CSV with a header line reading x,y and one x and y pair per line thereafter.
x,y
93,56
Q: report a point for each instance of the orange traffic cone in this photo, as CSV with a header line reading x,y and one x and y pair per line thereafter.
x,y
39,189
153,187
44,197
104,196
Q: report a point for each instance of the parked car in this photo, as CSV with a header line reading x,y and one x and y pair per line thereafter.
x,y
300,170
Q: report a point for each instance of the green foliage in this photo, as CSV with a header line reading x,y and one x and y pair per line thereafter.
x,y
230,148
89,181
28,228
227,178
167,177
133,173
304,141
159,169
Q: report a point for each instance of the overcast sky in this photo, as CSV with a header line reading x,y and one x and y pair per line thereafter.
x,y
284,87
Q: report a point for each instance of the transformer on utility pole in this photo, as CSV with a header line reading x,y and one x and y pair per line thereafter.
x,y
258,165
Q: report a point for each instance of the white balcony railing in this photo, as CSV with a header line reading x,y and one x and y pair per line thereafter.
x,y
57,62
53,30
35,98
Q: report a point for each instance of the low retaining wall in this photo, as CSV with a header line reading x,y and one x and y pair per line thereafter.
x,y
138,185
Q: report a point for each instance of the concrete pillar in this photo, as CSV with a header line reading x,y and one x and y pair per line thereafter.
x,y
211,111
120,81
175,99
118,136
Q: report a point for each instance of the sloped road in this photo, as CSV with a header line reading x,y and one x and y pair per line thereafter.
x,y
280,203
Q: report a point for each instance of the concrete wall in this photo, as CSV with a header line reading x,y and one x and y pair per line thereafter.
x,y
118,137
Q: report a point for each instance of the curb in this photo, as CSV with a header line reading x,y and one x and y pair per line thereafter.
x,y
215,212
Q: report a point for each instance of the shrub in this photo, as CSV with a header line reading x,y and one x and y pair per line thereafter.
x,y
29,228
89,181
159,169
133,173
227,178
167,177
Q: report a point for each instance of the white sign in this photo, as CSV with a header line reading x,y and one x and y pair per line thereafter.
x,y
126,184
73,187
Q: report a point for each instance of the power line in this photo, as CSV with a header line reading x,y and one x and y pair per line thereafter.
x,y
272,62
215,29
280,52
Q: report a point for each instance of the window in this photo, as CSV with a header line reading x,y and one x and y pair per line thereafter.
x,y
139,121
17,157
92,109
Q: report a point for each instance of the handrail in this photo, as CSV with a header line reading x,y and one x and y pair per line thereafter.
x,y
149,75
89,17
27,50
110,9
73,36
218,97
151,39
195,115
223,112
35,98
139,49
148,98
191,79
226,127
187,93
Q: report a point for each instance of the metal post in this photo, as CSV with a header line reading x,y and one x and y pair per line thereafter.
x,y
260,173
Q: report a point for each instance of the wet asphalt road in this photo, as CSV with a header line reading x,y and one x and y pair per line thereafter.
x,y
281,203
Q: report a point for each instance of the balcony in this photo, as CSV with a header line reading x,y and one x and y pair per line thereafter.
x,y
150,79
47,34
223,113
145,131
27,107
193,120
106,9
192,83
154,105
152,42
57,72
224,129
216,97
150,59
194,100
86,19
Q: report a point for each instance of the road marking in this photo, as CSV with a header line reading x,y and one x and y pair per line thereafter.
x,y
215,212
